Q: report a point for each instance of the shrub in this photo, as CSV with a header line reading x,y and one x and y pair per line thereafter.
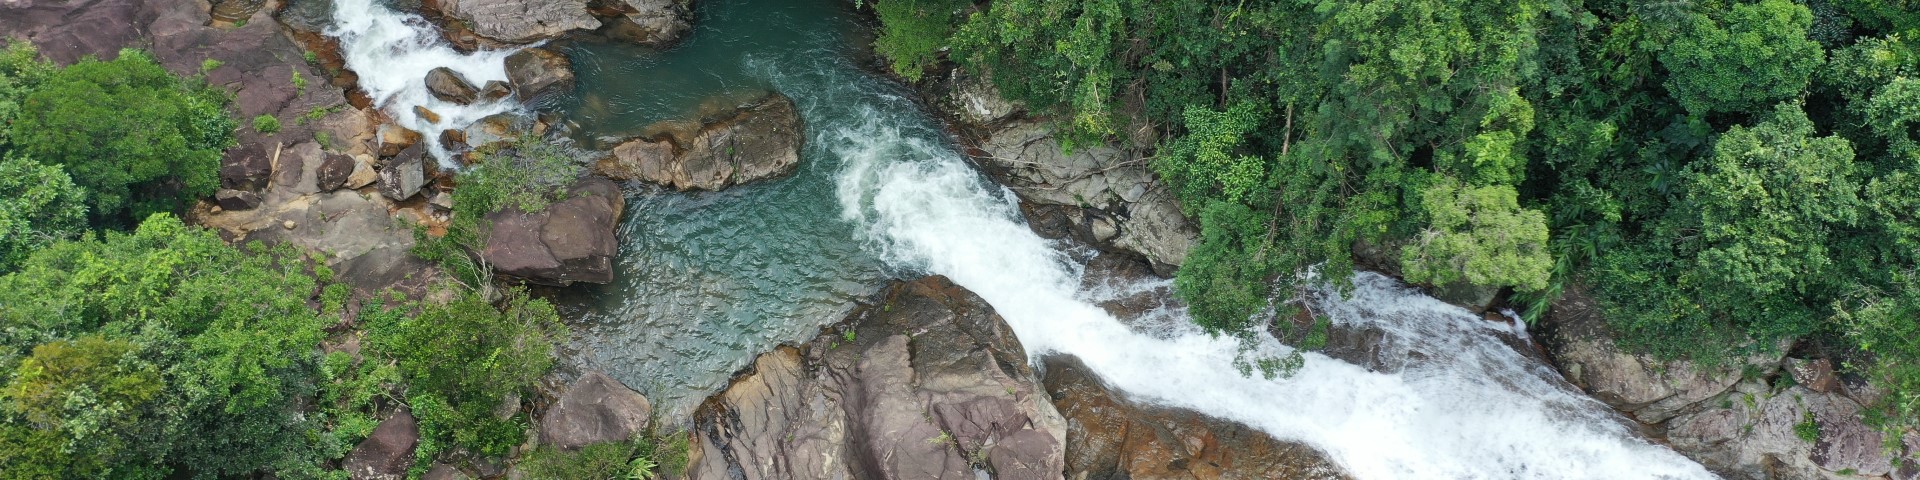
x,y
39,205
266,124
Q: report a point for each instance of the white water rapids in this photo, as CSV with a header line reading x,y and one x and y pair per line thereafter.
x,y
1468,407
393,51
1474,409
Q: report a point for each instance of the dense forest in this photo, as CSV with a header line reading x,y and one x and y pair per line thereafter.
x,y
1722,175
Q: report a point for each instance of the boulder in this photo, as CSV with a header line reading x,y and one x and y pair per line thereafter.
x,y
234,200
395,138
363,173
425,114
1816,374
388,452
334,171
249,167
595,409
572,240
978,102
926,382
494,90
450,87
404,174
757,141
1109,436
1138,211
521,21
536,73
654,22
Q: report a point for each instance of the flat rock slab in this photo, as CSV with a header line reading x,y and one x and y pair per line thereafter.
x,y
758,140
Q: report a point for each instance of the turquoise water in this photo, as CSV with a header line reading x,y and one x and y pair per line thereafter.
x,y
705,281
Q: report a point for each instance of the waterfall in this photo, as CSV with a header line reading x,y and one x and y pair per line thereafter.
x,y
1473,409
393,51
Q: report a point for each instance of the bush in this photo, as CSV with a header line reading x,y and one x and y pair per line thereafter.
x,y
138,138
912,32
645,457
527,174
266,124
39,205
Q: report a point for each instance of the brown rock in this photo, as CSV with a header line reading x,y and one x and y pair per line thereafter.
x,y
249,167
537,73
1646,388
394,138
235,200
404,174
426,114
955,398
654,22
595,409
495,90
571,241
388,452
758,141
521,21
453,140
449,86
1816,374
334,171
363,173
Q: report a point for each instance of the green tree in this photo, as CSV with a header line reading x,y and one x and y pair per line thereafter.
x,y
1478,235
138,138
39,205
1759,54
912,32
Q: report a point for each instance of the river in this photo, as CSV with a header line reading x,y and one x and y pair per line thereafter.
x,y
708,280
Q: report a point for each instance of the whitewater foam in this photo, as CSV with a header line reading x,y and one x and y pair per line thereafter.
x,y
393,51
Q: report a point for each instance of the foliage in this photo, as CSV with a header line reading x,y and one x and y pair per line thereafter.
x,y
138,138
1480,236
641,458
266,124
39,205
461,359
1759,54
527,175
913,32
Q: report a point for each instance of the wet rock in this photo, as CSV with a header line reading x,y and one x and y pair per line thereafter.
x,y
1648,389
1112,184
595,409
248,167
449,86
654,22
495,90
1112,437
395,138
453,140
931,385
404,174
236,199
497,128
426,114
757,141
537,73
388,452
521,21
573,240
334,171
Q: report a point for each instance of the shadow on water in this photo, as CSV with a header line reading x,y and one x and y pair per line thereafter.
x,y
707,280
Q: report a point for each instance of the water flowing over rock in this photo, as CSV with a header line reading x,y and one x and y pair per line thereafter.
x,y
522,21
756,141
572,240
1116,191
929,384
1109,436
595,409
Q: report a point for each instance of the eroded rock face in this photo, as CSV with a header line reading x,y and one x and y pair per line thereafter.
x,y
931,384
521,21
757,141
655,22
1112,437
1134,210
595,409
1753,435
537,73
573,240
388,452
1645,388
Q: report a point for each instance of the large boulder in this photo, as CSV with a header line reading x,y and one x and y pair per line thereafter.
x,y
654,22
595,409
1123,205
572,240
448,86
1109,436
248,167
538,73
758,140
334,171
388,452
521,21
404,174
925,383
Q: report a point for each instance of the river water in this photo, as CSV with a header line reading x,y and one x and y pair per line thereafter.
x,y
708,280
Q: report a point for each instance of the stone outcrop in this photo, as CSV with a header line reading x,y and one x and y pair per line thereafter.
x,y
1760,417
448,86
404,174
248,167
654,22
1112,437
572,240
521,21
595,409
756,141
236,199
929,384
537,73
1110,194
388,452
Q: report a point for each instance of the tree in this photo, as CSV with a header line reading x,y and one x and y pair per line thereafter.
x,y
913,32
1758,55
39,205
139,139
1478,235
